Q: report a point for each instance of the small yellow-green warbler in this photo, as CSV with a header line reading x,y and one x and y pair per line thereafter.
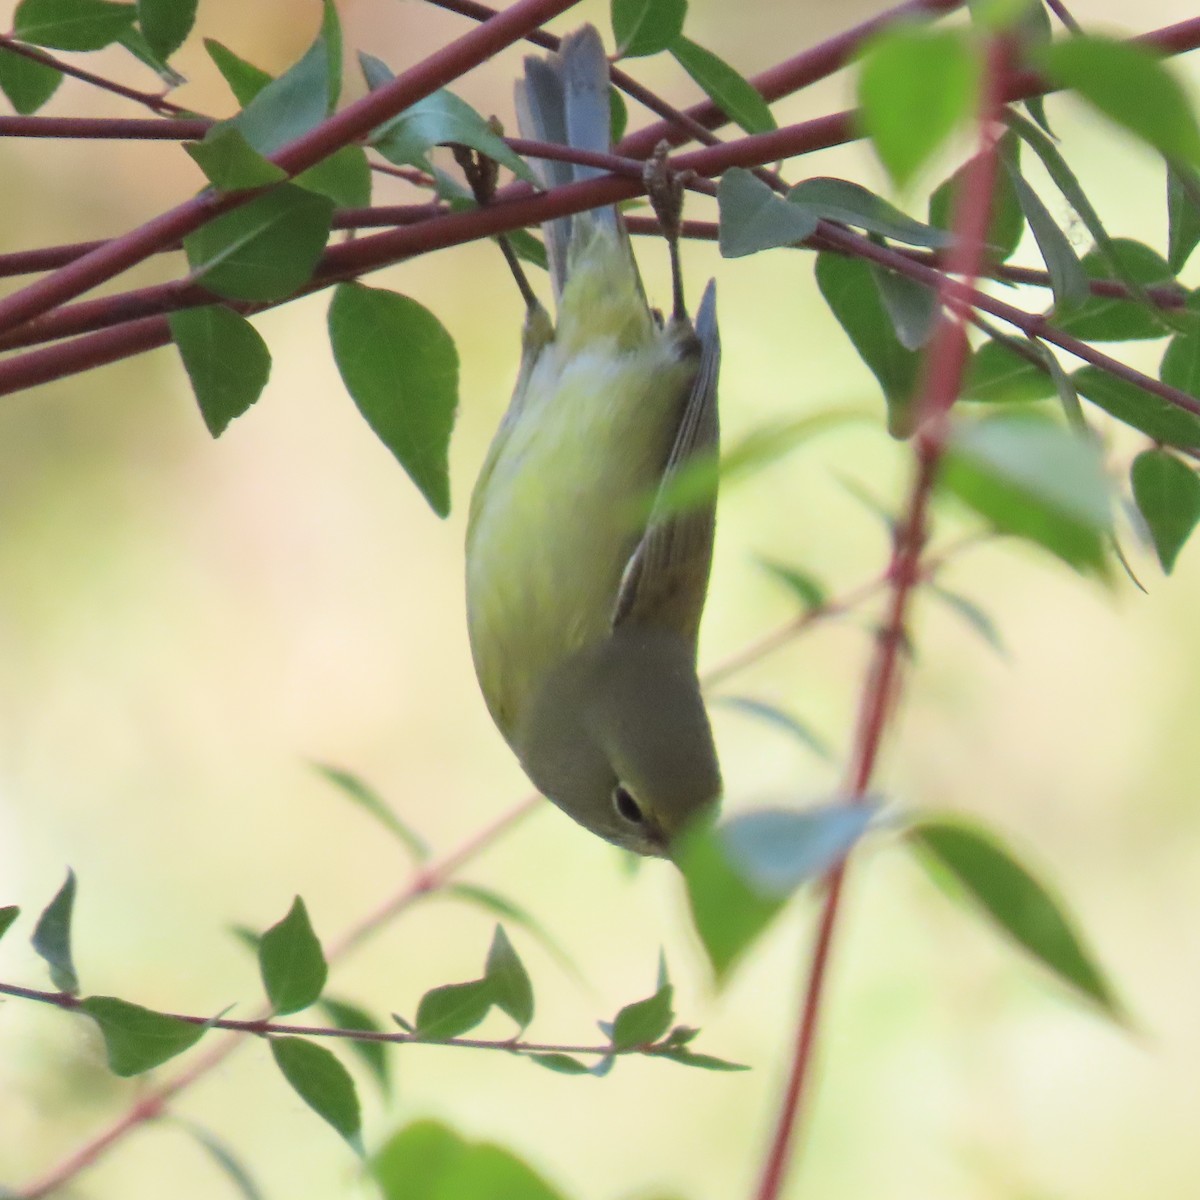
x,y
583,621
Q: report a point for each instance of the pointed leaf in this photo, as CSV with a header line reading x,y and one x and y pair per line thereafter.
x,y
354,789
1183,209
225,358
1129,84
71,24
511,990
778,850
1168,496
27,84
373,1054
807,590
733,95
8,914
706,1062
137,1039
916,86
774,715
266,249
561,1064
973,615
755,218
321,1081
229,162
166,23
644,1021
220,1153
997,374
1067,276
989,874
642,27
439,119
850,292
1036,480
453,1009
853,204
292,962
52,936
401,368
1108,318
728,912
245,80
911,306
1127,402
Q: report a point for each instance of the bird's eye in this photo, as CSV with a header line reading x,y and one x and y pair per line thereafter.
x,y
626,805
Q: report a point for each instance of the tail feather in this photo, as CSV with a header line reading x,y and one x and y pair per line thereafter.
x,y
564,99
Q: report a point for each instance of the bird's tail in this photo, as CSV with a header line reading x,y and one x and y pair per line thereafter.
x,y
564,98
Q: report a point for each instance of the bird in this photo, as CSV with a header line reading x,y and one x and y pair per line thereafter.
x,y
584,605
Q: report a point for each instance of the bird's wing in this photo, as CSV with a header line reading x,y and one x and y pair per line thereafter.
x,y
666,579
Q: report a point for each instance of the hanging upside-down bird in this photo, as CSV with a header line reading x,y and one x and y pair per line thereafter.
x,y
583,619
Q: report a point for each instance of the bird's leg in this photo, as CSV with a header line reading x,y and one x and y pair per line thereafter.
x,y
481,174
665,188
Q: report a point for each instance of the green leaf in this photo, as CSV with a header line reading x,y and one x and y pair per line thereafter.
x,y
300,99
136,44
292,962
1142,410
266,249
618,115
1183,210
972,614
1066,182
1006,222
71,24
439,119
345,177
853,204
778,850
733,95
706,1062
226,361
1168,496
644,1021
807,590
137,1039
1107,318
511,990
990,876
373,1054
1130,85
561,1064
1036,480
849,290
997,374
8,914
353,788
429,1161
454,1008
166,23
915,87
220,1153
321,1081
642,27
912,307
755,218
1180,366
729,914
52,936
27,84
774,715
244,78
1067,276
401,368
230,162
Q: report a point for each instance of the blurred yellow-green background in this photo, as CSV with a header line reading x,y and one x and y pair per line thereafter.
x,y
186,624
